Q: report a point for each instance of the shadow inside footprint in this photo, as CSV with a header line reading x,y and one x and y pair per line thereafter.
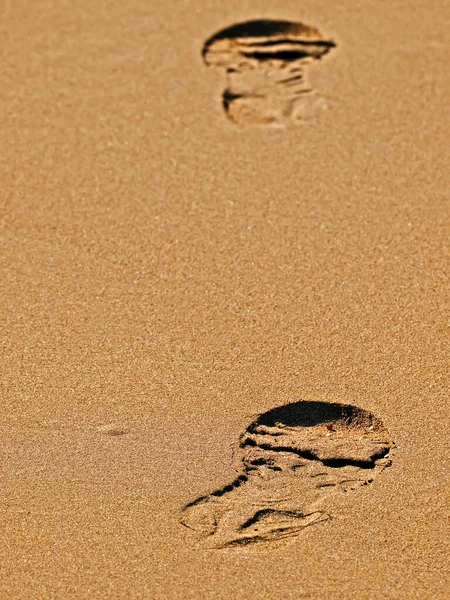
x,y
291,458
265,62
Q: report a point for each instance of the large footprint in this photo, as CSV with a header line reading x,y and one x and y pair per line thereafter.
x,y
292,459
265,64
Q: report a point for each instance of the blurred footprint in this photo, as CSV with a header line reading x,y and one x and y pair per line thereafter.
x,y
265,63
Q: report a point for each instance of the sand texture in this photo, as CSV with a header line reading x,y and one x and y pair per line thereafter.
x,y
224,288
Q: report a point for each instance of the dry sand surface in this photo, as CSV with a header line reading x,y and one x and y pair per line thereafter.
x,y
174,269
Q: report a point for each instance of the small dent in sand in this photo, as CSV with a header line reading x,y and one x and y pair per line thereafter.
x,y
112,430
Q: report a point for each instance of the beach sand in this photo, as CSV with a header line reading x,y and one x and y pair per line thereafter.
x,y
169,275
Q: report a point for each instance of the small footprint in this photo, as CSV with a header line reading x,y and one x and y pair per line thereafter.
x,y
265,62
291,459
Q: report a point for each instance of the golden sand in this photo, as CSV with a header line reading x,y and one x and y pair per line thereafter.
x,y
168,275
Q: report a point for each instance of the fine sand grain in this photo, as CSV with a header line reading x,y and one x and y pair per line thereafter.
x,y
224,300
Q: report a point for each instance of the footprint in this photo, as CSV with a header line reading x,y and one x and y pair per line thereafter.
x,y
265,62
291,459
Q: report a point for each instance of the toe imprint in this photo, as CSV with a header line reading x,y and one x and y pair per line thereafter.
x,y
265,62
292,459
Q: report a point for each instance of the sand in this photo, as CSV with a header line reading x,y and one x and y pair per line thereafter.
x,y
168,275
